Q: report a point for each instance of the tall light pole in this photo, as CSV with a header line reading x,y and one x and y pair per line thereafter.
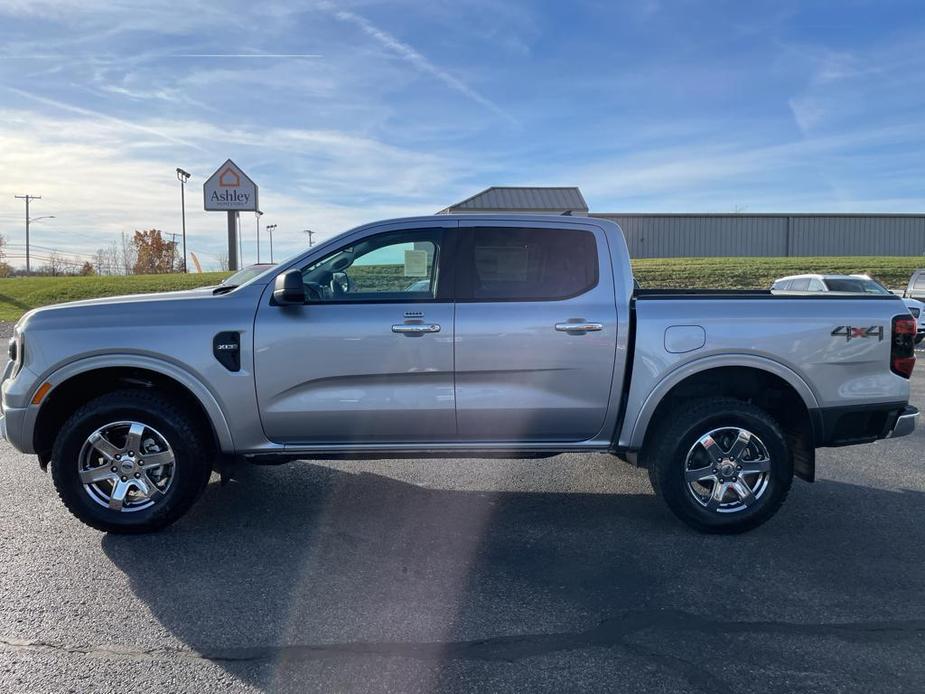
x,y
310,234
270,228
258,214
183,177
28,199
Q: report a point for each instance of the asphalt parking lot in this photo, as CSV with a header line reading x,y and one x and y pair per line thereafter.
x,y
469,575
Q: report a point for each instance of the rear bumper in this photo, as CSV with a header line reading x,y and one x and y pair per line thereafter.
x,y
905,423
855,424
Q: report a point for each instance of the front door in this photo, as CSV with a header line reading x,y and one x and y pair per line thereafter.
x,y
369,357
536,331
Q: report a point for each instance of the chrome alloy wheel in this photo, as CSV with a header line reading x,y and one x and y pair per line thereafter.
x,y
126,466
727,470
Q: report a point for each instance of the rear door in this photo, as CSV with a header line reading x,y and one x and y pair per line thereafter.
x,y
536,329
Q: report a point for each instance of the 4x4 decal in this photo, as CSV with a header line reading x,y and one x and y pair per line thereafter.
x,y
849,332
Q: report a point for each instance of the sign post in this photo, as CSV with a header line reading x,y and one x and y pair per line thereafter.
x,y
230,190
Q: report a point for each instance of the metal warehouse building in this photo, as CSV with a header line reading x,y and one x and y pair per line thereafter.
x,y
654,235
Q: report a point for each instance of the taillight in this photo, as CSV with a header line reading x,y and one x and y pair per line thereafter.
x,y
902,347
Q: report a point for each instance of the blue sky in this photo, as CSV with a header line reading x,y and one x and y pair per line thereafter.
x,y
345,112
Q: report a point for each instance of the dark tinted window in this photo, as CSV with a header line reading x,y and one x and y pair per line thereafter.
x,y
526,264
855,286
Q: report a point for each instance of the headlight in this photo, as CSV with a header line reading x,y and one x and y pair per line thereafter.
x,y
14,349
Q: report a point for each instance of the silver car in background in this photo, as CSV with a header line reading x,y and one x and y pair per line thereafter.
x,y
852,284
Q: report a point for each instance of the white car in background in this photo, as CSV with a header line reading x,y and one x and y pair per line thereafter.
x,y
854,284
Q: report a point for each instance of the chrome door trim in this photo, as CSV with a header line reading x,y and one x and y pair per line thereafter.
x,y
416,328
579,327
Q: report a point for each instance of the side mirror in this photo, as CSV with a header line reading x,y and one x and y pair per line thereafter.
x,y
289,289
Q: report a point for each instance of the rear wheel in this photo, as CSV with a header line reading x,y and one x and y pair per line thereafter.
x,y
130,461
721,465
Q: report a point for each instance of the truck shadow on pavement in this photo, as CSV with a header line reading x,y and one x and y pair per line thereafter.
x,y
306,574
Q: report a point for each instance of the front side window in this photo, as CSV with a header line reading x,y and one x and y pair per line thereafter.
x,y
800,285
509,264
395,266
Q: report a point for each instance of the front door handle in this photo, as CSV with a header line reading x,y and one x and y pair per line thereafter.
x,y
416,328
579,327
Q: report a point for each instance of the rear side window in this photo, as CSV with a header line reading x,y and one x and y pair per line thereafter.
x,y
509,264
816,285
800,285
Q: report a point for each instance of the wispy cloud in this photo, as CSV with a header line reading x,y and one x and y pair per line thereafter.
x,y
411,55
255,56
104,117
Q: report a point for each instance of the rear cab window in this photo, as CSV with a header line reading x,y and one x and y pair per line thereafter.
x,y
520,264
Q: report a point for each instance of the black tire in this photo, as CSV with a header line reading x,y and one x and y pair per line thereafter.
x,y
666,453
181,429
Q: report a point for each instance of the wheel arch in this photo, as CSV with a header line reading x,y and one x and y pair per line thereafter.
x,y
77,382
774,387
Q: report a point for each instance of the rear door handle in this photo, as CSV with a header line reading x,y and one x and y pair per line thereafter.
x,y
416,328
579,327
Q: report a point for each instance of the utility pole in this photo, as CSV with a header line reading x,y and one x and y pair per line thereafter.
x,y
270,228
310,234
258,214
28,198
183,177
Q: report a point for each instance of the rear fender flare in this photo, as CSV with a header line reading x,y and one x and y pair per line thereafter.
x,y
637,430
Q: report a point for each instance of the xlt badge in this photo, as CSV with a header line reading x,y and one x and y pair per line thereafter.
x,y
227,349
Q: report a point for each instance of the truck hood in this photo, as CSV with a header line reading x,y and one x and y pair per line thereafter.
x,y
140,306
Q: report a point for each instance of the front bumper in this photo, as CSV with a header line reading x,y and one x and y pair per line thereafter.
x,y
11,427
905,423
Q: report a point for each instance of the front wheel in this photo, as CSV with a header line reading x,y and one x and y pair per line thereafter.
x,y
721,465
130,461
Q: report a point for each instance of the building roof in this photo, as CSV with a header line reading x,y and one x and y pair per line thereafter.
x,y
540,199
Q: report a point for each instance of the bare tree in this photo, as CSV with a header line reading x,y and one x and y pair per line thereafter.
x,y
223,261
57,263
100,262
113,260
128,255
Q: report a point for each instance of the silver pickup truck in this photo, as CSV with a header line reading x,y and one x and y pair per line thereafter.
x,y
445,336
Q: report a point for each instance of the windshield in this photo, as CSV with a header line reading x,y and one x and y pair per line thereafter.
x,y
245,275
856,285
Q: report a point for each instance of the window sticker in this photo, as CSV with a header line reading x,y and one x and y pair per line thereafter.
x,y
415,263
501,263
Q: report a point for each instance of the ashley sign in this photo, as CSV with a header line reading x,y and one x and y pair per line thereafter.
x,y
229,189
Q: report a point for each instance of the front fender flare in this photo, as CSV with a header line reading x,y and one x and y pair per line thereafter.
x,y
205,397
640,424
